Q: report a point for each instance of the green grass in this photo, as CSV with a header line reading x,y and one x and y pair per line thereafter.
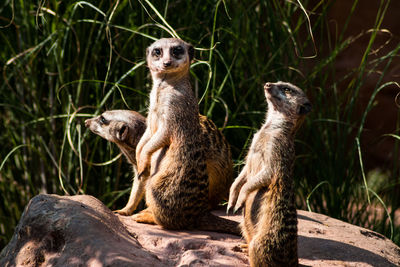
x,y
64,61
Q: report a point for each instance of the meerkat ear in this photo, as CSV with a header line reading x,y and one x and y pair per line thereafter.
x,y
147,51
305,108
191,52
122,132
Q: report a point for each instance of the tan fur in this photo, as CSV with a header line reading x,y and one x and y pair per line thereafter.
x,y
110,124
265,184
178,191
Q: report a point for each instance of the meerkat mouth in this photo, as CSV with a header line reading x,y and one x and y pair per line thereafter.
x,y
88,124
169,69
95,131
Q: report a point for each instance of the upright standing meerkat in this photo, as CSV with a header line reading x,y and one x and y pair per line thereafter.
x,y
125,128
265,184
177,192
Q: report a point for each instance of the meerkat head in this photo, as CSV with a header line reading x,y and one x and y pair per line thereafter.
x,y
169,55
287,99
123,127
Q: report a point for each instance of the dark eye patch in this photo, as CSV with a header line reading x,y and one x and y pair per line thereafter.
x,y
287,90
103,120
177,51
156,52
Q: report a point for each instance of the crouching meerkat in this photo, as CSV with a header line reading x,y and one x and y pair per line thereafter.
x,y
265,185
177,193
125,128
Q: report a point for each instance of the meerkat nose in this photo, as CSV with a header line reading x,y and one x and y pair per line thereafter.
x,y
267,87
87,123
167,63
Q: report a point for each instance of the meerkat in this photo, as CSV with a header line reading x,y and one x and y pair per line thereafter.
x,y
177,193
125,128
265,185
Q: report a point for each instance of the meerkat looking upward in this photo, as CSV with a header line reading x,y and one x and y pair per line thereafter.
x,y
265,184
177,193
125,128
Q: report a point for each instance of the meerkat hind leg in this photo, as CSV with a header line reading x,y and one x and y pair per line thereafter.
x,y
244,248
145,216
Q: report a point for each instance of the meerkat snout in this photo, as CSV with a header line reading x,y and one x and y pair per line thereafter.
x,y
92,125
267,86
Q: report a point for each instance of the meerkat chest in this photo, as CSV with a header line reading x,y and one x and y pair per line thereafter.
x,y
260,151
157,109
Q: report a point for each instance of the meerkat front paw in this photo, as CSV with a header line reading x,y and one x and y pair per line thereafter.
x,y
124,212
143,167
231,202
240,200
143,174
233,195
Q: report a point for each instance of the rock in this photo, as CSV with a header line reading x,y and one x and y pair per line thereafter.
x,y
324,241
81,231
72,231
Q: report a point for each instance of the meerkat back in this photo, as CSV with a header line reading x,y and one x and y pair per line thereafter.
x,y
219,162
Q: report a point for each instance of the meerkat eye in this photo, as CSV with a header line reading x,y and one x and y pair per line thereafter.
x,y
177,51
103,120
287,90
157,52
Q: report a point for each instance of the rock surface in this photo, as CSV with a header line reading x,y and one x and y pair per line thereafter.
x,y
81,231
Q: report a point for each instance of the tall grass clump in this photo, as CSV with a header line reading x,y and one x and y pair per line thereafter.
x,y
65,61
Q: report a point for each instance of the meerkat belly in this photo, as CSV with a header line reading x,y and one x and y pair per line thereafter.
x,y
270,213
178,192
156,160
250,212
275,234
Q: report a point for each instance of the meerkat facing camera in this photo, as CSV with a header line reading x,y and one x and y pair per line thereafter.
x,y
265,185
177,194
125,128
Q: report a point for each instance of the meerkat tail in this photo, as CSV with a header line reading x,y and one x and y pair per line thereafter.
x,y
210,222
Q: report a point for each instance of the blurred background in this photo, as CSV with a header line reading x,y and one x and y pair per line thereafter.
x,y
64,61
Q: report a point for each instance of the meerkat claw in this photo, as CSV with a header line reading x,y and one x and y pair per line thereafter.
x,y
237,208
140,176
228,210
